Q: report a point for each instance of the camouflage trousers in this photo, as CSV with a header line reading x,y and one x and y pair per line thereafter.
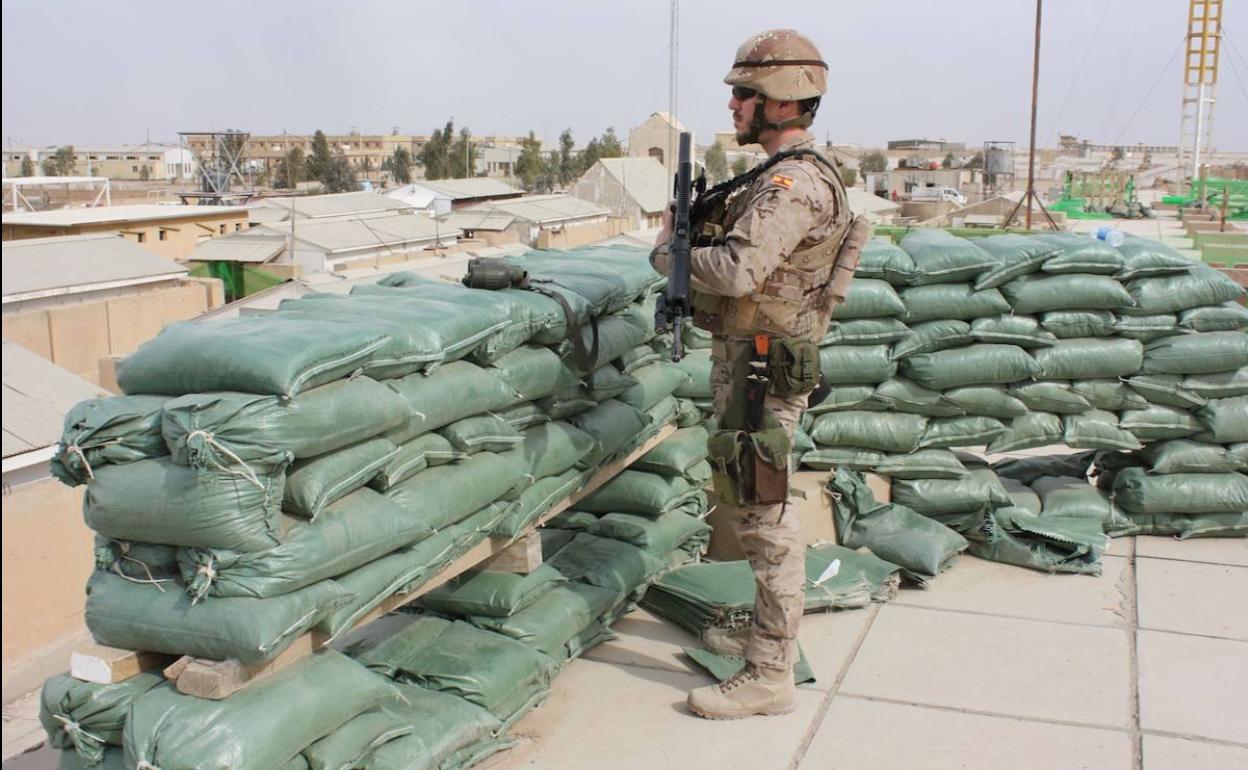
x,y
769,535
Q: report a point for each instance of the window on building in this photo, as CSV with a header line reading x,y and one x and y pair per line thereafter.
x,y
140,237
222,229
656,153
238,227
135,169
163,235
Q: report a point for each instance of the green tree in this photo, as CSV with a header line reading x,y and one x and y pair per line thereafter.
x,y
339,176
61,163
399,165
435,156
740,166
611,147
976,161
716,161
530,166
319,162
291,169
462,157
873,163
568,165
849,176
28,166
947,162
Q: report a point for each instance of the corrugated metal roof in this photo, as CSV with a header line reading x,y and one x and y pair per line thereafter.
x,y
267,213
339,235
336,204
78,263
249,247
474,187
645,180
478,220
37,394
140,212
543,209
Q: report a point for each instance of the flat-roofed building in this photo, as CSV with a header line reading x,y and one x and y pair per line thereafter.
x,y
171,231
333,244
556,221
133,162
441,196
348,204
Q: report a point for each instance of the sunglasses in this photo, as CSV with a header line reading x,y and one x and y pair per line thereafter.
x,y
743,94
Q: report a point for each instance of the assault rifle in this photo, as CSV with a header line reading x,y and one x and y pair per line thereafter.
x,y
673,305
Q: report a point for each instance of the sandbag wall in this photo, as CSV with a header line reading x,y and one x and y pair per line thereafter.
x,y
270,475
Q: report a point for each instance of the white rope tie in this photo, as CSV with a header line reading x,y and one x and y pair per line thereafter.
x,y
72,729
210,574
74,449
246,473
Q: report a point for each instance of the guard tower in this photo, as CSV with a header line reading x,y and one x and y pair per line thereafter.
x,y
1200,80
222,161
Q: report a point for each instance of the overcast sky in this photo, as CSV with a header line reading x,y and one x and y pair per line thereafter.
x,y
86,71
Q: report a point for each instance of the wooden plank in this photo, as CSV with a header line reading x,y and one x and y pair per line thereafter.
x,y
217,679
109,665
522,556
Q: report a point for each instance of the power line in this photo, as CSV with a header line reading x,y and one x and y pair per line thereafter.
x,y
1079,70
1153,87
1122,69
1239,80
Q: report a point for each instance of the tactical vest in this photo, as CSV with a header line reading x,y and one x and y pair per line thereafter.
x,y
797,299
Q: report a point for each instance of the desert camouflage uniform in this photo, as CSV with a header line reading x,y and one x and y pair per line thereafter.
x,y
792,206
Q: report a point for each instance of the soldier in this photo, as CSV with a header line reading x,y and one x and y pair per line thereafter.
x,y
774,251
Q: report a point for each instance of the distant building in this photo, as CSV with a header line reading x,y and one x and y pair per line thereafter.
x,y
81,299
170,231
365,152
494,228
658,138
929,145
441,196
153,162
553,221
312,207
636,188
333,244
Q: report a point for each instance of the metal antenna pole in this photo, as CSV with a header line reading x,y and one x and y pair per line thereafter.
x,y
672,84
1035,90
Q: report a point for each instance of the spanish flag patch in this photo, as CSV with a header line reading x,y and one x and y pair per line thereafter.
x,y
784,181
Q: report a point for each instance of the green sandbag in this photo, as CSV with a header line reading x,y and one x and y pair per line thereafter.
x,y
316,482
1065,324
655,382
1047,543
827,458
856,364
1020,330
609,382
449,393
606,563
697,364
882,260
267,354
1023,496
481,433
656,536
111,759
846,397
561,624
956,301
218,430
133,616
1045,294
448,733
724,668
940,257
1015,255
563,405
1239,451
576,521
613,424
108,431
695,338
869,298
523,416
865,331
1080,254
1097,429
1111,394
971,365
1034,429
1147,328
552,448
1225,420
347,746
700,474
645,494
491,593
676,454
1182,456
1184,526
1139,492
1027,469
83,717
1166,390
536,501
448,493
931,336
159,501
659,416
986,401
1069,497
1144,257
923,464
355,530
902,395
617,334
138,561
1055,397
1229,316
1219,385
1202,285
1204,353
883,431
413,457
970,430
262,726
630,361
533,372
921,546
1159,422
489,670
978,490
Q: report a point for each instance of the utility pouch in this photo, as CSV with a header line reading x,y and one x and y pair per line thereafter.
x,y
794,365
750,468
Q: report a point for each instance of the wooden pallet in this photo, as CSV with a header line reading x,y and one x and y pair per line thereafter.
x,y
216,679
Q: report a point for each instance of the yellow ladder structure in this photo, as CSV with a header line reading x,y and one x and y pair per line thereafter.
x,y
1200,79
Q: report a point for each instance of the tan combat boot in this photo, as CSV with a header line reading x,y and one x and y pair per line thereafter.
x,y
730,644
752,690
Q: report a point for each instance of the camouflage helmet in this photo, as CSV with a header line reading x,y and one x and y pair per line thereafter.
x,y
781,64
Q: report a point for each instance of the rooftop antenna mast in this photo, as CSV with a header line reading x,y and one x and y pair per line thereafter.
x,y
1030,196
1200,80
672,82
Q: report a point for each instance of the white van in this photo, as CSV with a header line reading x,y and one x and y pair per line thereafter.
x,y
938,194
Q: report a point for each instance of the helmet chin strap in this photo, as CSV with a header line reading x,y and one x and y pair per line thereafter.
x,y
759,123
